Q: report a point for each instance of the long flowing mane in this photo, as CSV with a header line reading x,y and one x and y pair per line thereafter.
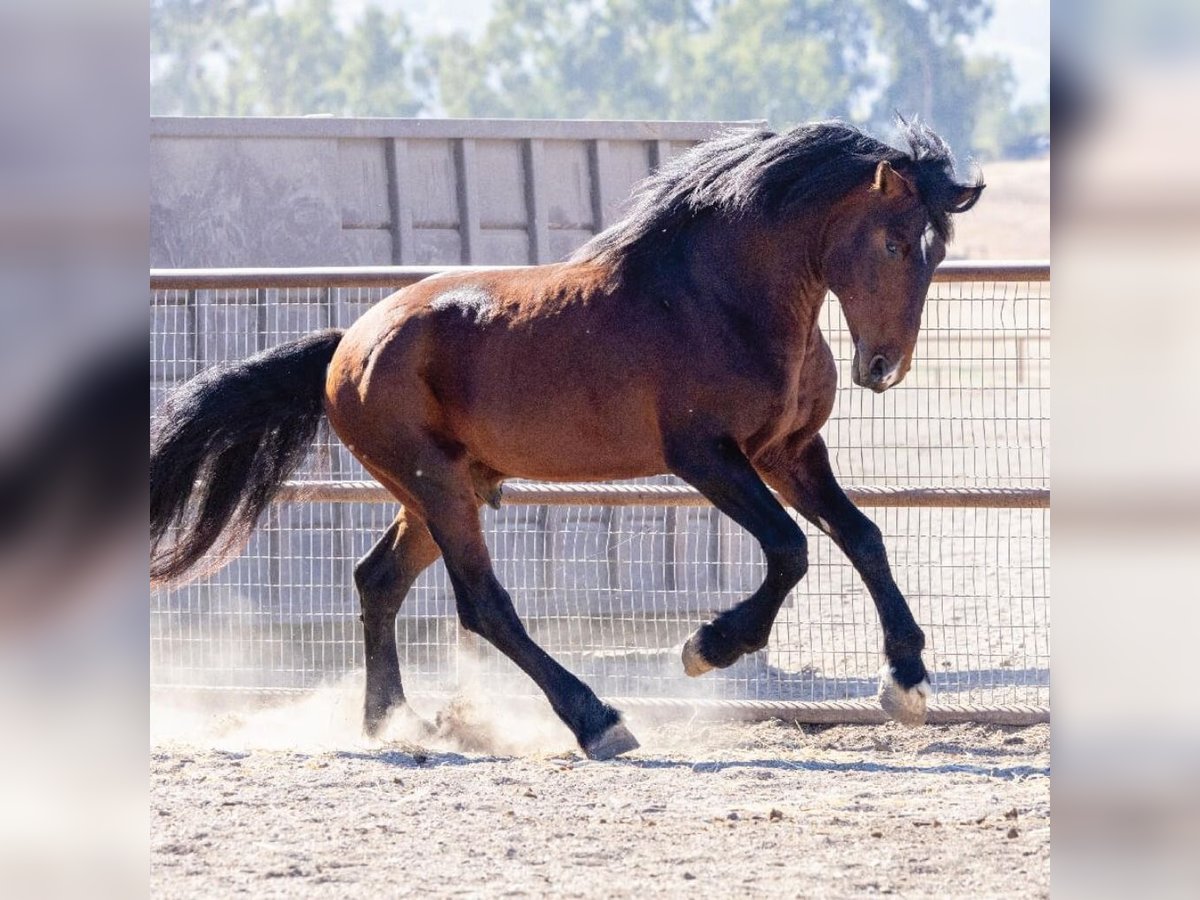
x,y
761,174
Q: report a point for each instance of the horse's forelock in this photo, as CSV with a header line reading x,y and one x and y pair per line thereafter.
x,y
932,162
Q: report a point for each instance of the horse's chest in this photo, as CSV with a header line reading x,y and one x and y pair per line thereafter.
x,y
808,394
815,388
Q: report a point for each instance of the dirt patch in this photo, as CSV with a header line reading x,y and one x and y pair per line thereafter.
x,y
773,808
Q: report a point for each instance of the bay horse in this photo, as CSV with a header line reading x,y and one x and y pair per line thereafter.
x,y
682,340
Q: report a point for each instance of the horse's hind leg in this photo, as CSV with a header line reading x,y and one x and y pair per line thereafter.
x,y
383,578
719,470
486,609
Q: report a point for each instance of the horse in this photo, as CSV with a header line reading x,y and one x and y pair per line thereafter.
x,y
681,340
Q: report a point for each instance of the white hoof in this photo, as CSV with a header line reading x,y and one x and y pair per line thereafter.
x,y
906,705
694,663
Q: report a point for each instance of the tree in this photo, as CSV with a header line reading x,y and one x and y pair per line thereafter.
x,y
379,75
270,73
556,59
263,57
927,72
191,44
786,61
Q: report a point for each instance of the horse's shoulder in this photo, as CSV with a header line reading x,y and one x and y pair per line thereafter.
x,y
816,386
820,363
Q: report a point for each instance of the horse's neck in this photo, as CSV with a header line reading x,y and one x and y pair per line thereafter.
x,y
768,281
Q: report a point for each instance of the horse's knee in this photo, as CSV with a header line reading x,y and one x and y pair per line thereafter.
x,y
384,575
470,619
490,614
482,622
868,540
788,563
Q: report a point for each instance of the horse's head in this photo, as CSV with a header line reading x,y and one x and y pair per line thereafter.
x,y
884,242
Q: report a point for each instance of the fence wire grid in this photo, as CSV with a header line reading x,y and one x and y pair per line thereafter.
x,y
612,591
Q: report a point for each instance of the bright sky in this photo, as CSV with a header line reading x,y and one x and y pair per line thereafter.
x,y
1019,30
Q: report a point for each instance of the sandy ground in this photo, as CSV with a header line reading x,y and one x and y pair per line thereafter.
x,y
293,802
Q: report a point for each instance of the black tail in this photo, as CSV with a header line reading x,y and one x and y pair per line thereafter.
x,y
225,443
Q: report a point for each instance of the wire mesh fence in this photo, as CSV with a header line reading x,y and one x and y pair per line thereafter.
x,y
612,590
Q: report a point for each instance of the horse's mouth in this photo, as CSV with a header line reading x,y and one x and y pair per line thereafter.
x,y
879,376
875,388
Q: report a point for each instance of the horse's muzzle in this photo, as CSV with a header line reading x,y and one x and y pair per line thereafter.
x,y
878,375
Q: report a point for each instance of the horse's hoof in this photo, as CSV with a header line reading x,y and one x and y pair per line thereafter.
x,y
694,663
615,740
423,727
906,705
373,725
400,718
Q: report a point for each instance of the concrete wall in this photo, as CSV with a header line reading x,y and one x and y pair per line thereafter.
x,y
327,191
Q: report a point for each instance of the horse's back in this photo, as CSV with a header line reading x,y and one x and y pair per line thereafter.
x,y
533,372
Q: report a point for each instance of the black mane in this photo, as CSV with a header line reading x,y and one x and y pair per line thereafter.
x,y
761,174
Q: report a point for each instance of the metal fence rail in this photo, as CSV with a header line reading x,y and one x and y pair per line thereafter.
x,y
396,277
611,578
668,495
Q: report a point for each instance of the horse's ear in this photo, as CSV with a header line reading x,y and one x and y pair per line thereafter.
x,y
891,183
966,197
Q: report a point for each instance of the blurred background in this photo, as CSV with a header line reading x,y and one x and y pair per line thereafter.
x,y
74,98
1126,472
977,70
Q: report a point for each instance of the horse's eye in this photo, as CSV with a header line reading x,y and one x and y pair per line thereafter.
x,y
891,247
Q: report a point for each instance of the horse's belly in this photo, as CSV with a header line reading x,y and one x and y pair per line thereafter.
x,y
565,438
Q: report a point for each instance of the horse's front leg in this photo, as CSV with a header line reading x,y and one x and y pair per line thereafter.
x,y
806,481
717,468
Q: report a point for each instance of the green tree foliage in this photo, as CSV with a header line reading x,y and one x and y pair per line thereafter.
x,y
268,77
378,76
1000,130
927,72
781,60
262,57
191,45
557,59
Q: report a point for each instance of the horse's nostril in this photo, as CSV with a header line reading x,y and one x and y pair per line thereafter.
x,y
878,368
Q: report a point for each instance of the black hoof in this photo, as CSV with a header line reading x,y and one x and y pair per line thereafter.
x,y
373,724
613,741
